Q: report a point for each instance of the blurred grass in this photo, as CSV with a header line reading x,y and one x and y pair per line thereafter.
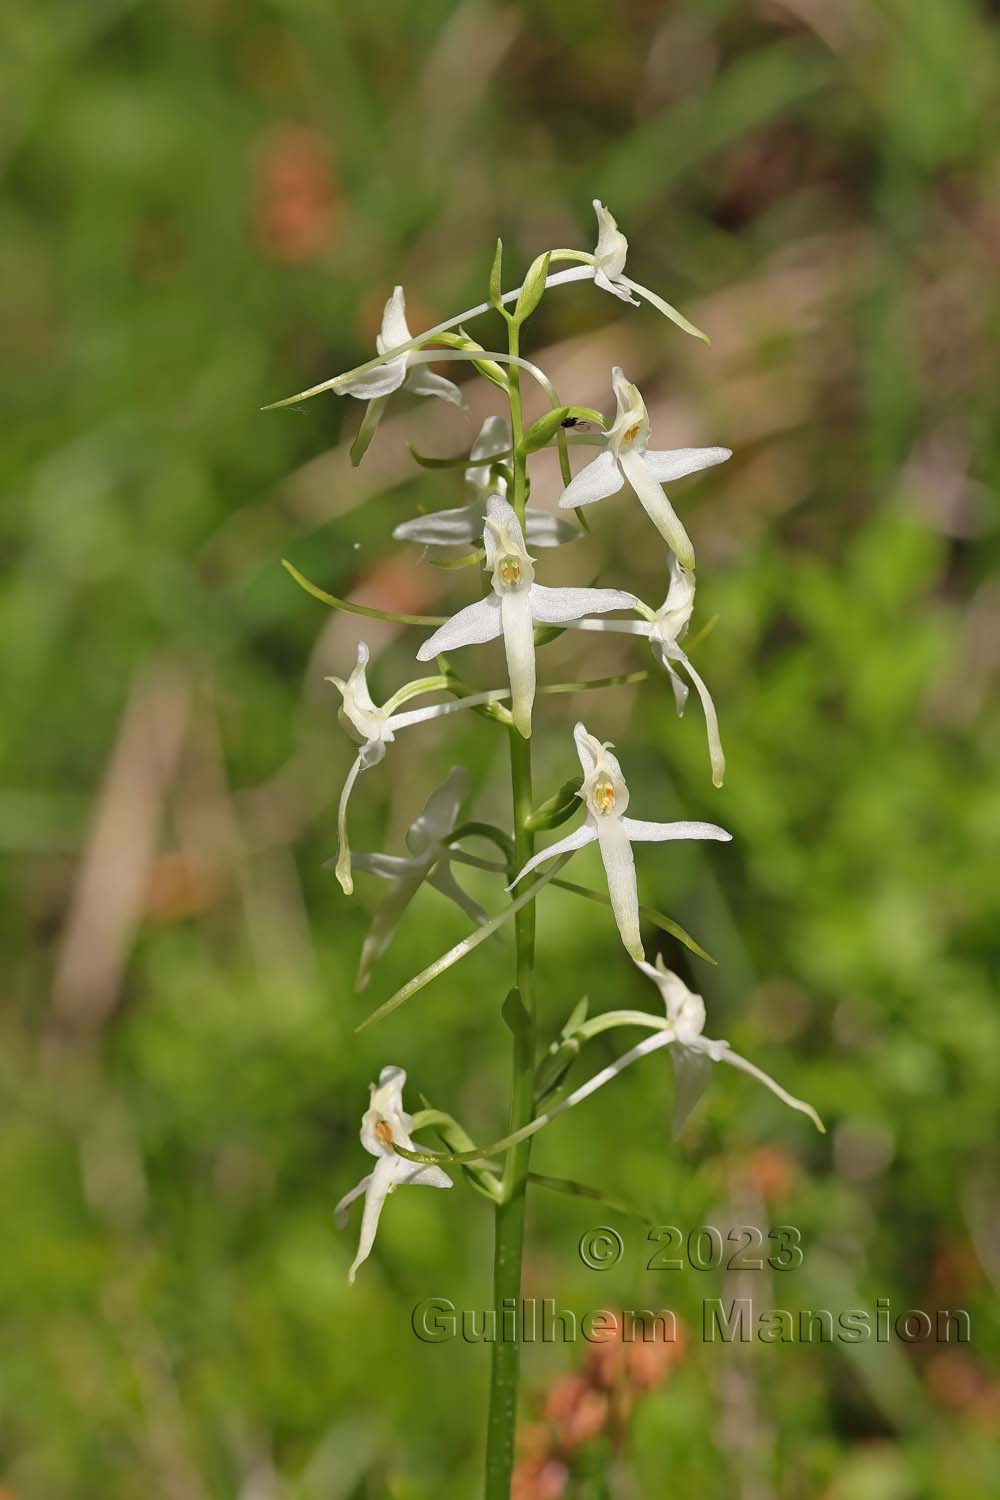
x,y
205,207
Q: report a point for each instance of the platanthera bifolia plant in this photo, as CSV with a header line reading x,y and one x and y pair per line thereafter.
x,y
498,528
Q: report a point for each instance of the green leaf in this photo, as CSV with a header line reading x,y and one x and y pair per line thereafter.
x,y
648,913
368,429
356,609
532,288
496,280
557,808
581,1190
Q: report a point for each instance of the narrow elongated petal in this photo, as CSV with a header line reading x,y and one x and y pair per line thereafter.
x,y
459,527
519,644
668,464
715,751
595,482
736,1061
472,626
562,606
386,866
658,508
387,919
545,530
340,1212
619,866
578,839
444,881
342,868
424,382
666,308
380,1183
660,833
381,381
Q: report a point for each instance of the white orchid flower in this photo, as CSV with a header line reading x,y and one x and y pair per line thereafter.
x,y
665,629
398,371
462,526
606,796
609,272
515,606
385,1125
429,860
377,727
692,1052
626,460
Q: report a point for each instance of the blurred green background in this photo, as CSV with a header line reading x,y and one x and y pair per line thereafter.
x,y
206,204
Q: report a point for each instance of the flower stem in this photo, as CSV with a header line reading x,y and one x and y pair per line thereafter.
x,y
508,1241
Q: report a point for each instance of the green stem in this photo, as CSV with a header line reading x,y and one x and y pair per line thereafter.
x,y
508,1242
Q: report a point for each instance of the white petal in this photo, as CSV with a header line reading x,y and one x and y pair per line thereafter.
x,y
587,748
380,1183
381,381
578,839
736,1061
343,865
680,687
561,606
545,530
519,644
612,246
502,516
692,1067
440,811
472,626
659,833
340,1212
493,439
619,866
424,382
395,329
616,288
668,464
715,752
459,527
386,866
595,482
658,507
444,881
665,308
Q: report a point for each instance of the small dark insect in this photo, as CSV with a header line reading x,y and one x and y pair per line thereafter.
x,y
580,422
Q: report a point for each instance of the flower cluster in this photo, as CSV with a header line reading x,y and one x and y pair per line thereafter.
x,y
515,606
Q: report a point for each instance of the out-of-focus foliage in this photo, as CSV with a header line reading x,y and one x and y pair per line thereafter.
x,y
206,205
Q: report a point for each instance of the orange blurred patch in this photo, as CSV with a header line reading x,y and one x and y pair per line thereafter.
x,y
294,194
772,1172
182,885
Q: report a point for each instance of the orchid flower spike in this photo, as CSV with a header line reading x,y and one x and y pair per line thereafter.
x,y
515,606
376,728
388,377
665,629
605,797
609,272
692,1052
384,1125
429,860
462,526
626,460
